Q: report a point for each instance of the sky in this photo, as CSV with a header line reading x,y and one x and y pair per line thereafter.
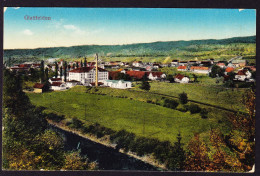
x,y
110,26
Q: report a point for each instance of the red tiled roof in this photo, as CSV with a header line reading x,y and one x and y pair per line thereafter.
x,y
179,76
198,68
221,64
241,72
86,69
38,85
182,67
158,74
56,79
229,69
56,83
137,74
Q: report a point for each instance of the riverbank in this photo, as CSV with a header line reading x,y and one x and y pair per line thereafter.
x,y
106,142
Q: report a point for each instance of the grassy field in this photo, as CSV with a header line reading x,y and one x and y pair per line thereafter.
x,y
121,113
203,92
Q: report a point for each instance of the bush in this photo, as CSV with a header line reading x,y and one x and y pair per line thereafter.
x,y
75,123
55,117
170,103
194,108
204,113
183,98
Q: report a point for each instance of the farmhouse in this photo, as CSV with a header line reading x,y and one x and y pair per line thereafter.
x,y
229,69
87,75
175,63
119,84
183,63
58,86
181,79
199,69
242,75
182,68
221,65
38,88
72,83
137,64
52,80
156,75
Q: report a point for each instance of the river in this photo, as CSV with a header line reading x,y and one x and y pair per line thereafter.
x,y
107,157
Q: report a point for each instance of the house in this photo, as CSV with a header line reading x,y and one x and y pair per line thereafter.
x,y
253,68
221,65
156,66
181,78
119,84
200,69
229,69
58,86
72,83
137,74
192,62
137,64
183,63
38,88
175,63
206,63
87,75
239,63
52,80
182,68
242,75
156,76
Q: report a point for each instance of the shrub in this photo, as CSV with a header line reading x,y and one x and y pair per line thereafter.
x,y
183,98
76,123
194,108
204,113
55,117
170,103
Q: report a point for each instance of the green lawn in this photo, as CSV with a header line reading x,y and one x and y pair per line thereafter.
x,y
120,113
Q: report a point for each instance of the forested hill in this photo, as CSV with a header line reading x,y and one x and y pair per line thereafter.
x,y
140,49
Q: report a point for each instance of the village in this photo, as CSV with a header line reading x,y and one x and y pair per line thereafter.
x,y
121,75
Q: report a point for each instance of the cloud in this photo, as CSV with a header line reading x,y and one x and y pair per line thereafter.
x,y
27,32
16,8
240,10
70,26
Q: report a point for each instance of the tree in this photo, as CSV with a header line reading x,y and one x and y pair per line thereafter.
x,y
56,69
183,98
65,71
177,156
170,78
42,71
81,64
77,65
145,85
216,71
46,74
197,158
61,72
195,78
85,62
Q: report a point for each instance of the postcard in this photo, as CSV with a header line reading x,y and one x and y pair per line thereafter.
x,y
129,89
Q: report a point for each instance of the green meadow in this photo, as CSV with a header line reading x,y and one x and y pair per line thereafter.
x,y
141,118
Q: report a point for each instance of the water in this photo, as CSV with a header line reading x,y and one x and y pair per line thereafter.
x,y
107,158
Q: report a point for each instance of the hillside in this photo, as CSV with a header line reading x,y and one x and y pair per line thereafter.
x,y
184,49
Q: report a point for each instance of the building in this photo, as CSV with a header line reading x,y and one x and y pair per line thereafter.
x,y
72,83
221,65
87,75
38,88
242,75
181,78
182,68
175,63
58,86
156,76
119,84
199,69
229,69
137,64
239,63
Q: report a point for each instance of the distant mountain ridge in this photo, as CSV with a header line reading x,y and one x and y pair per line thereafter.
x,y
159,48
